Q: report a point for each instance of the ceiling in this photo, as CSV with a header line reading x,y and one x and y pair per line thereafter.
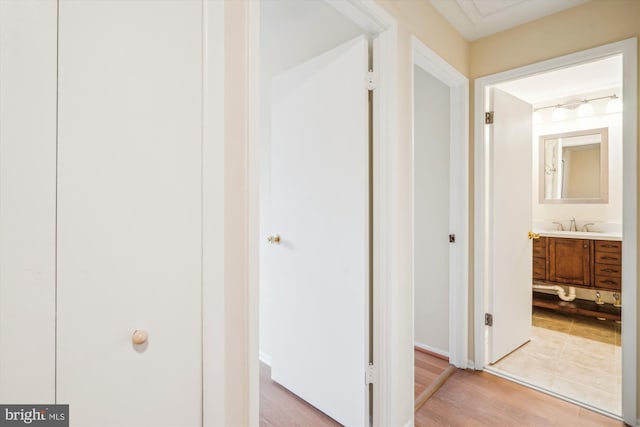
x,y
568,82
475,19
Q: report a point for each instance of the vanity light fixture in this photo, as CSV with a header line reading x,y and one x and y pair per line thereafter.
x,y
559,113
583,107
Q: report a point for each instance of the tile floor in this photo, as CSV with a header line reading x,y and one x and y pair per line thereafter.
x,y
575,356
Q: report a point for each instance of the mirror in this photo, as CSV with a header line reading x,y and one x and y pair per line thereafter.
x,y
574,167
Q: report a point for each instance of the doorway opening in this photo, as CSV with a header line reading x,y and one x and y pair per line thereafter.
x,y
548,312
440,217
313,134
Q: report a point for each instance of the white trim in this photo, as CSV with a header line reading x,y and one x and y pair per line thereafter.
x,y
213,229
433,64
628,48
265,358
384,211
253,236
431,349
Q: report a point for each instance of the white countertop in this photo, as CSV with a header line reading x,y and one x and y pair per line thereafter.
x,y
594,235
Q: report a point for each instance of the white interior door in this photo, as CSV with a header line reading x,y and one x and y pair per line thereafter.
x,y
320,200
129,212
510,289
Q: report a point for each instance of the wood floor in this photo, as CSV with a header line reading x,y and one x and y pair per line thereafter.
x,y
466,399
427,369
281,408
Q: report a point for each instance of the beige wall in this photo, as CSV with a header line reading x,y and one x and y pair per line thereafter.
x,y
592,24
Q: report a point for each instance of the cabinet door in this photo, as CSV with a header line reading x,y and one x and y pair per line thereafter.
x,y
569,261
130,212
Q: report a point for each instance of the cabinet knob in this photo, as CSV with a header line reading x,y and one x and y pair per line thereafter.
x,y
139,336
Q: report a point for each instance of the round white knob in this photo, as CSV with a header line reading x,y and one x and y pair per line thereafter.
x,y
139,336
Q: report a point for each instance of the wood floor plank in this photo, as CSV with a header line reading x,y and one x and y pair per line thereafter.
x,y
471,398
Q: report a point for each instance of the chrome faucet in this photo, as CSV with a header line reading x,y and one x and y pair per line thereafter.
x,y
573,226
559,224
586,226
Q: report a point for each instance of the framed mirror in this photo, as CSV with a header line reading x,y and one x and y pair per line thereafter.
x,y
573,167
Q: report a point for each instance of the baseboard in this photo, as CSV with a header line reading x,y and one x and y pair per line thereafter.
x,y
265,358
409,424
471,365
431,351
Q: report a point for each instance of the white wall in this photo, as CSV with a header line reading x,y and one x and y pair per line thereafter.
x,y
431,213
292,32
610,212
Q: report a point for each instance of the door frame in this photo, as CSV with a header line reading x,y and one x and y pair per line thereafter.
x,y
374,20
458,84
483,205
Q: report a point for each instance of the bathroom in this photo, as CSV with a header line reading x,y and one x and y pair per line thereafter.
x,y
576,233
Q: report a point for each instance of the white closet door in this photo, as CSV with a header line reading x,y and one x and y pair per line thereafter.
x,y
129,212
320,192
27,200
510,222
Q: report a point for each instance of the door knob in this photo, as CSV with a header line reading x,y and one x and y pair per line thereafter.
x,y
139,336
532,235
274,240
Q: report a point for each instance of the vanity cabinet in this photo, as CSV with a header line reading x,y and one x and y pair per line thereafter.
x,y
595,264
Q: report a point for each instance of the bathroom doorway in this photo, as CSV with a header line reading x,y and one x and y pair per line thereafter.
x,y
554,351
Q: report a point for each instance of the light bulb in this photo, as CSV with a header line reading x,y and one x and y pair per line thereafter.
x,y
536,117
584,110
614,105
559,114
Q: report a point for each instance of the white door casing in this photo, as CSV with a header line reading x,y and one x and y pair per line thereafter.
x,y
320,208
511,183
130,212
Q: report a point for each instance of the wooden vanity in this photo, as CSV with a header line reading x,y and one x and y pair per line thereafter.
x,y
584,263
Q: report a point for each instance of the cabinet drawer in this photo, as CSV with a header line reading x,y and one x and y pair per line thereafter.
x,y
612,283
608,246
608,258
609,270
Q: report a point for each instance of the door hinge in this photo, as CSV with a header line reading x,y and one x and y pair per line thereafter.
x,y
372,80
452,238
488,118
370,375
488,319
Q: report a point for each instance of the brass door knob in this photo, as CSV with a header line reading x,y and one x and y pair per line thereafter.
x,y
533,235
274,240
139,336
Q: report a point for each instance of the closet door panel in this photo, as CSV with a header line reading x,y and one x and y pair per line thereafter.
x,y
129,222
27,200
